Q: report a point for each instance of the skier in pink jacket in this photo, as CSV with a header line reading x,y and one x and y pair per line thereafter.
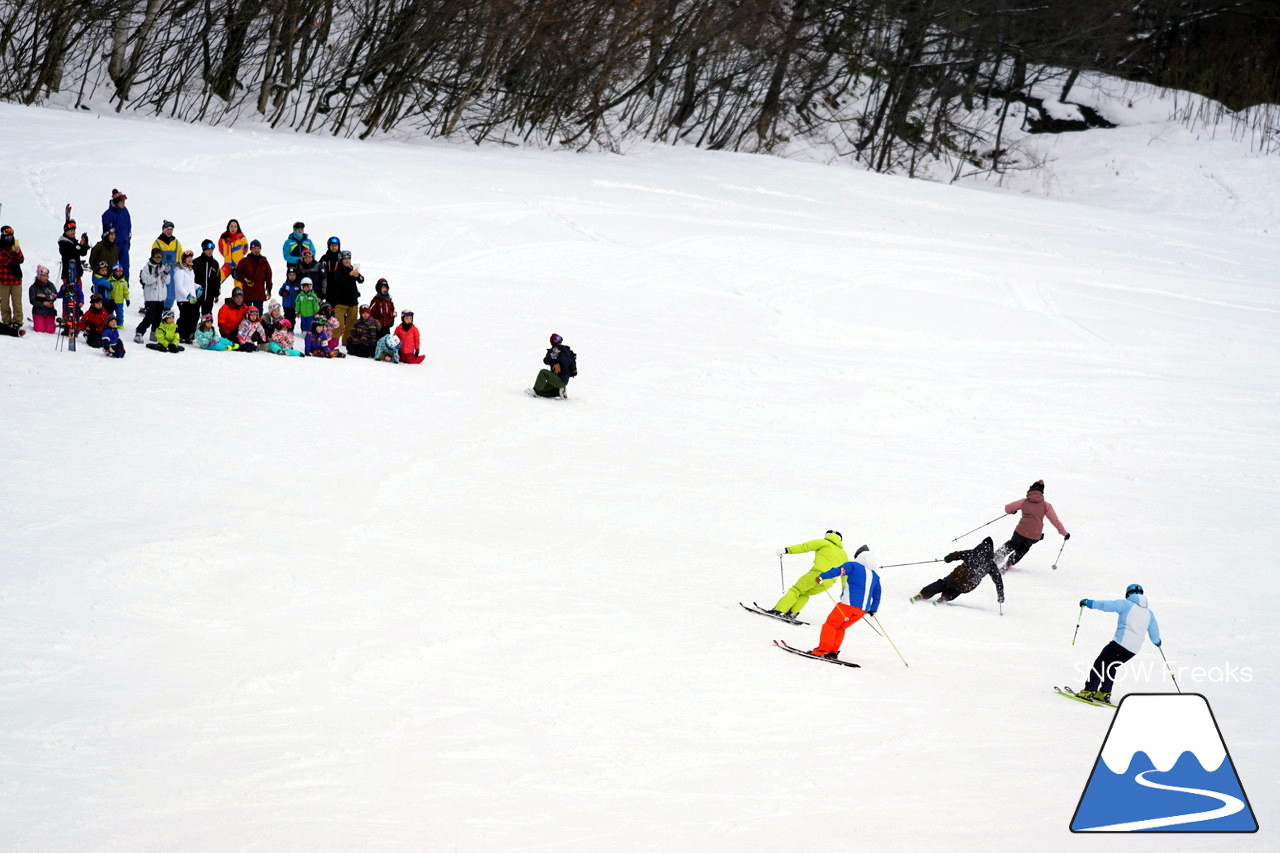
x,y
1030,529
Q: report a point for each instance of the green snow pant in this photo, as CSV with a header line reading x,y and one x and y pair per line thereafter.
x,y
547,384
794,600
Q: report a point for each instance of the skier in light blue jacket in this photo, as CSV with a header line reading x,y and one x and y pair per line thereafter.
x,y
1136,620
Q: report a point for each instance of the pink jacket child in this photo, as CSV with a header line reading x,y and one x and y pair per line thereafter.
x,y
1030,529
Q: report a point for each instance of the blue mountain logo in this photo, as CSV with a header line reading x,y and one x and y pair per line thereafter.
x,y
1164,767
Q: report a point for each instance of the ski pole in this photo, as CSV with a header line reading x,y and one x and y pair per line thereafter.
x,y
1078,618
1055,559
980,526
921,563
781,577
895,648
1166,666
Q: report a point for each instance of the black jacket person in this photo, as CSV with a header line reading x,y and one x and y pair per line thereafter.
x,y
977,564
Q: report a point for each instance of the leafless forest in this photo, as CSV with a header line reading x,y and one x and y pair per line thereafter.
x,y
893,81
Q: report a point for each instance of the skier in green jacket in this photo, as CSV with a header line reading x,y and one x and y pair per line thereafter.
x,y
828,553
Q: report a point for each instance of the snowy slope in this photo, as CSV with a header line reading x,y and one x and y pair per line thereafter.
x,y
264,604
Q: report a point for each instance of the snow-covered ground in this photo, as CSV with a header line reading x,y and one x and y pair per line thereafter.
x,y
251,603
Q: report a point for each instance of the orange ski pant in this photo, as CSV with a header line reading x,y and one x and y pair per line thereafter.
x,y
842,616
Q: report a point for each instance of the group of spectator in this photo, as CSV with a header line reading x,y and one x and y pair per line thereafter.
x,y
318,297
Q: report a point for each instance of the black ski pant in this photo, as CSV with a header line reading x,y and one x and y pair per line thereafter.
x,y
162,348
1017,548
209,301
360,350
188,317
941,585
1110,659
151,320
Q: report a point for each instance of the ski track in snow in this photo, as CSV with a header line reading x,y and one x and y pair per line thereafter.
x,y
294,605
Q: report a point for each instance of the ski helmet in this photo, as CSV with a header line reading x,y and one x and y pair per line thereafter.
x,y
207,318
858,553
1132,588
236,291
206,244
344,255
556,340
118,267
393,343
168,315
306,281
286,324
273,305
838,534
334,241
325,306
406,315
364,309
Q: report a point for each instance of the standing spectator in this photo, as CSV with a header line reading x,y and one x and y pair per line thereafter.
x,y
295,243
11,261
306,305
155,281
344,296
332,257
94,321
364,337
42,295
105,250
253,274
231,314
311,268
289,292
187,295
172,249
1030,529
101,286
208,278
382,309
410,342
233,246
72,253
117,218
119,292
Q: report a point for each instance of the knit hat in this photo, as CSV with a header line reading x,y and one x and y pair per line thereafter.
x,y
116,195
253,243
166,226
1037,486
41,269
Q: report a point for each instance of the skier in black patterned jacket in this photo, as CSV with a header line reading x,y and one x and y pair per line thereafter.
x,y
977,564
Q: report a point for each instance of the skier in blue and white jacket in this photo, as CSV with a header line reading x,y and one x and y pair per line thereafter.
x,y
1136,622
859,596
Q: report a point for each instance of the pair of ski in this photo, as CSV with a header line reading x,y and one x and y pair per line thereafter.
x,y
1071,694
757,609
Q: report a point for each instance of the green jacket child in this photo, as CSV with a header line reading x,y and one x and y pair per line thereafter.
x,y
119,287
829,553
306,303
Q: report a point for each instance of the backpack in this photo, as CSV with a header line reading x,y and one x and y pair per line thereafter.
x,y
568,362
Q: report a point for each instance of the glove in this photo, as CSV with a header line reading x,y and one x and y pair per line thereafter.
x,y
127,302
1084,602
873,613
1066,536
1157,645
1000,599
782,552
952,556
